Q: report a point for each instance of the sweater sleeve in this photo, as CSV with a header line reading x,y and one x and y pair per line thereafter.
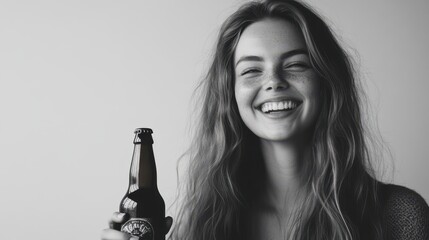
x,y
405,215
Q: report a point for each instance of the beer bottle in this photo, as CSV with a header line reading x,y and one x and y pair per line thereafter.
x,y
143,201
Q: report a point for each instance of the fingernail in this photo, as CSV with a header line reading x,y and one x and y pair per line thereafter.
x,y
134,238
121,215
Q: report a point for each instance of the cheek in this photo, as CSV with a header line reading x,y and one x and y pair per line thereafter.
x,y
244,96
310,89
310,86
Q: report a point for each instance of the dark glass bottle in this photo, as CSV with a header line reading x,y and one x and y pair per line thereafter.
x,y
143,202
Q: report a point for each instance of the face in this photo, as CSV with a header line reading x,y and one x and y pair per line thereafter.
x,y
276,89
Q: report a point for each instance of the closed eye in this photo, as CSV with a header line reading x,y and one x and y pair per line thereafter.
x,y
250,71
297,66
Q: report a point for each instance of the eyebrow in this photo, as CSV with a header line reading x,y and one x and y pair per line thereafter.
x,y
283,56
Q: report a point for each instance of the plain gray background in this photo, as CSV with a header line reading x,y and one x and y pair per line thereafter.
x,y
76,78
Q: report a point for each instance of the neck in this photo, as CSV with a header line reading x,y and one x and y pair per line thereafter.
x,y
283,164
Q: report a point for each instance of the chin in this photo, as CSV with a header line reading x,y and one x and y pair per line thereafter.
x,y
277,136
285,135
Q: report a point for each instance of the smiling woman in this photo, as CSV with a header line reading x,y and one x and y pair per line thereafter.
x,y
281,149
276,89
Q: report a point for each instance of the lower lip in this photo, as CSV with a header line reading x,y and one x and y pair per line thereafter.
x,y
280,114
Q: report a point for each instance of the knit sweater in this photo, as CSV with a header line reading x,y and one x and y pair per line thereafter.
x,y
405,214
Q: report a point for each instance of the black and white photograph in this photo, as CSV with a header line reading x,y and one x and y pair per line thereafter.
x,y
214,120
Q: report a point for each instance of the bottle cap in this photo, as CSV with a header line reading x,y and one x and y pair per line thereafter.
x,y
143,136
143,130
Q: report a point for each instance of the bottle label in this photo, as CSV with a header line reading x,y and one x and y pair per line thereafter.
x,y
139,227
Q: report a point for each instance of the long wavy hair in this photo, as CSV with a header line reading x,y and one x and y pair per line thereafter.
x,y
341,190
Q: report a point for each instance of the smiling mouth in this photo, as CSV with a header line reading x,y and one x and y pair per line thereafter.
x,y
279,106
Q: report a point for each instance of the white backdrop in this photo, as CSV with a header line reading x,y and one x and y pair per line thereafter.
x,y
76,78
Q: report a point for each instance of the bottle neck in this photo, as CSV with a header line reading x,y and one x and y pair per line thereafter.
x,y
143,168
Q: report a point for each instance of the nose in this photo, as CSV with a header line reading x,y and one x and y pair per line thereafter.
x,y
276,82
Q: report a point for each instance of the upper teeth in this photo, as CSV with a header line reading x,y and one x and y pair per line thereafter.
x,y
273,106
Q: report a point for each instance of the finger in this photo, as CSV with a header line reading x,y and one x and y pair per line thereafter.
x,y
168,223
110,234
117,219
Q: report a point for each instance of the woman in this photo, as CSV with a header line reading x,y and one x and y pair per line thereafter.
x,y
281,150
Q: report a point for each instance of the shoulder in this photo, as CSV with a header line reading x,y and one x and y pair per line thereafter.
x,y
405,213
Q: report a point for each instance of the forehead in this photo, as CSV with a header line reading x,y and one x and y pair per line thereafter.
x,y
269,37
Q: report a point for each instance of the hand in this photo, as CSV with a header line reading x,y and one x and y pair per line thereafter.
x,y
117,219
